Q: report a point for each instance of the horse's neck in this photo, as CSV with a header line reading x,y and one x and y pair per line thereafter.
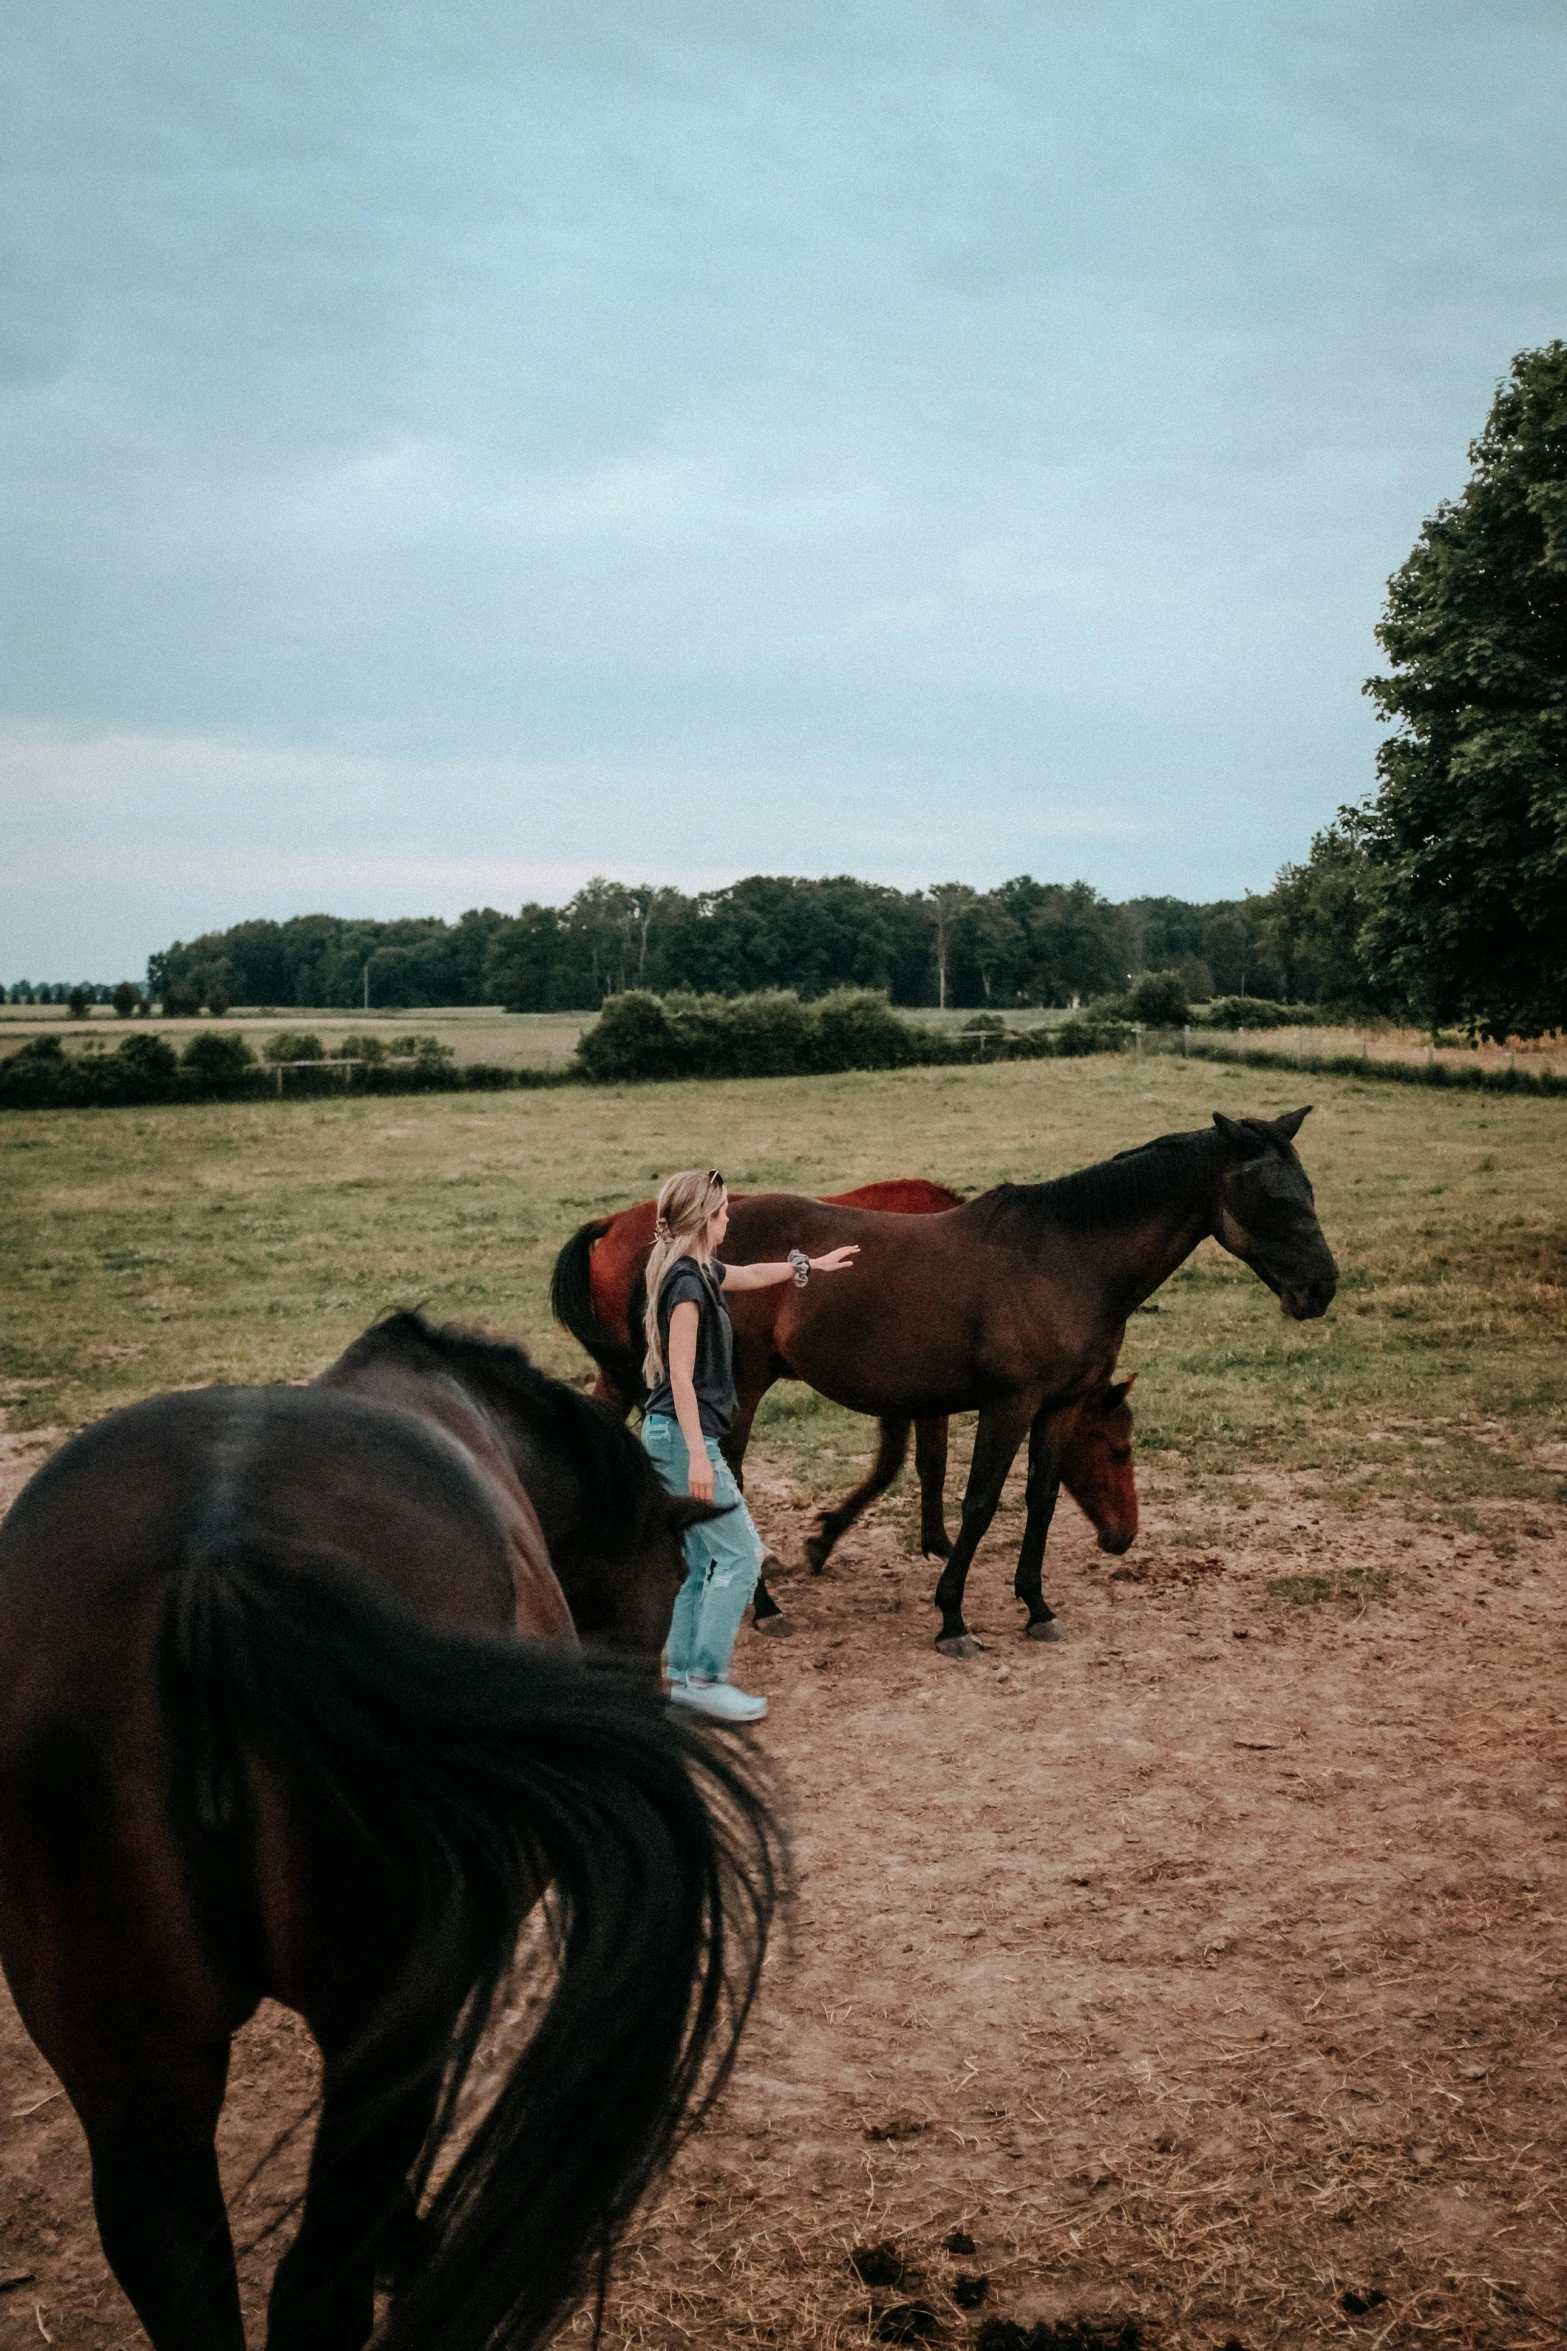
x,y
1152,1247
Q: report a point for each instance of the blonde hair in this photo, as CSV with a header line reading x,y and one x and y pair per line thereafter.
x,y
686,1203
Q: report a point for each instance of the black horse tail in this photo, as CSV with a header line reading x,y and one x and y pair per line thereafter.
x,y
473,1775
571,1303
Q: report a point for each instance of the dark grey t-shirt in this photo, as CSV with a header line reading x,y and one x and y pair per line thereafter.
x,y
713,1375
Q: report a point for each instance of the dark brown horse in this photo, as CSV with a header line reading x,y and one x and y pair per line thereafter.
x,y
1016,1303
564,1474
269,1731
598,1292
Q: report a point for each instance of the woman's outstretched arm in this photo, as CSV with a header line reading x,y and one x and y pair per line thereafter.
x,y
768,1275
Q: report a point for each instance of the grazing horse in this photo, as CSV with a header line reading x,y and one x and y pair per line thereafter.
x,y
598,1291
565,1474
1016,1303
269,1731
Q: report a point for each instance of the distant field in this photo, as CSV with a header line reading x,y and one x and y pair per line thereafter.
x,y
474,1032
151,1248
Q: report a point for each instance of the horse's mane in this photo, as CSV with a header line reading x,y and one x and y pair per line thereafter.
x,y
614,1470
1113,1191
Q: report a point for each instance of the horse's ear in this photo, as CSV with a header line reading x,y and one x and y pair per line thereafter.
x,y
1290,1124
1240,1135
1117,1393
685,1512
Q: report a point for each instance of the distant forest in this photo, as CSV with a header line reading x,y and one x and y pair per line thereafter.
x,y
1026,943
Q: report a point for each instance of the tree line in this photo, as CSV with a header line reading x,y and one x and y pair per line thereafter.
x,y
1026,943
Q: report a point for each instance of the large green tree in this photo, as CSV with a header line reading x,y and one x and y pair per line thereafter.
x,y
1468,833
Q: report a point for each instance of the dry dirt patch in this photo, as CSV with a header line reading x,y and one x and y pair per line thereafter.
x,y
1203,1969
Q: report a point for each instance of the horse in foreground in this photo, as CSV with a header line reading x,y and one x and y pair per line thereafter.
x,y
1015,1304
597,1293
269,1731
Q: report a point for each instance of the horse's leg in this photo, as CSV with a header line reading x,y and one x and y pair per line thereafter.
x,y
161,2216
359,2220
1044,1485
930,1462
890,1453
1000,1432
104,1923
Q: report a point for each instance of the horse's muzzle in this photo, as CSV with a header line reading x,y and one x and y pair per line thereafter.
x,y
1116,1544
1308,1301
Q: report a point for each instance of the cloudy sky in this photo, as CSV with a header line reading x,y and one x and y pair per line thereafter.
x,y
449,448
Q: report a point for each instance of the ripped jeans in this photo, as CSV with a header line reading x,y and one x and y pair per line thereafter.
x,y
724,1558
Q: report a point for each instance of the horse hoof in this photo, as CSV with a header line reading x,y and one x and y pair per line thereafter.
x,y
777,1627
1047,1628
816,1557
960,1645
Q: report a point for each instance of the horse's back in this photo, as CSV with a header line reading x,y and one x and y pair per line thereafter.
x,y
92,1541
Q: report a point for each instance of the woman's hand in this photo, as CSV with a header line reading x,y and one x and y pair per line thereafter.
x,y
699,1482
836,1260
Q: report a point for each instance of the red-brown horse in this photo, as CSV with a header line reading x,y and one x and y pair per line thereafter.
x,y
269,1731
598,1292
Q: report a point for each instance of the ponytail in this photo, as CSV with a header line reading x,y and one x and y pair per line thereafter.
x,y
686,1204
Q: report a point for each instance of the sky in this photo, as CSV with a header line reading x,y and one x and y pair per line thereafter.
x,y
449,449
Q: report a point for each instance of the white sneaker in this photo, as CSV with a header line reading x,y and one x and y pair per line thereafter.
x,y
720,1701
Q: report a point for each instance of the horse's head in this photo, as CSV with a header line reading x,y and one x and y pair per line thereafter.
x,y
1266,1215
1096,1465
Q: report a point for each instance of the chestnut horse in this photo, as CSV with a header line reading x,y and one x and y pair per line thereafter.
x,y
1016,1303
269,1731
597,1293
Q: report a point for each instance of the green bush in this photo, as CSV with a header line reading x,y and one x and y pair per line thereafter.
x,y
181,1000
420,1048
772,1034
1158,1000
1093,1031
1260,1012
293,1045
371,1051
42,1076
218,1062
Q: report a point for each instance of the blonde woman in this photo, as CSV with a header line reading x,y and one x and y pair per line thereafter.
x,y
689,1369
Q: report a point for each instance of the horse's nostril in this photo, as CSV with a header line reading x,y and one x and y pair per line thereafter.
x,y
1116,1544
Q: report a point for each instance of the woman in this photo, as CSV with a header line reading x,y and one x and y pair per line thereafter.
x,y
689,1369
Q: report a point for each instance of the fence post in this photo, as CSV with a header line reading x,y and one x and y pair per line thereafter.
x,y
1137,1036
1186,1043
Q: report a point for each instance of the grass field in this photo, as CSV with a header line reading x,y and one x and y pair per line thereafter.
x,y
162,1247
1203,1966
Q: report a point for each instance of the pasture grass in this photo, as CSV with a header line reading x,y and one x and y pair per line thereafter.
x,y
161,1247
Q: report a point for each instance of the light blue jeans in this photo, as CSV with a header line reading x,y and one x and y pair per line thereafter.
x,y
724,1559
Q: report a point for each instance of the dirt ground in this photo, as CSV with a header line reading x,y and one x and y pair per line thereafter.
x,y
1205,1967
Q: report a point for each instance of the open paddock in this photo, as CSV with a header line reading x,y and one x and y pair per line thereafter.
x,y
1204,1969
